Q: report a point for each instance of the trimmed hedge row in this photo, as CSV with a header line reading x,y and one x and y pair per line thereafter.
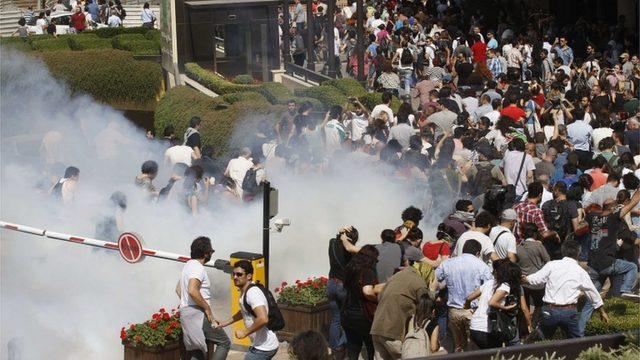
x,y
112,76
214,82
245,79
623,316
50,44
181,103
348,86
328,95
110,32
87,42
136,43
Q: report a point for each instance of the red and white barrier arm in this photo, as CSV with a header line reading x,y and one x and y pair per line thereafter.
x,y
92,242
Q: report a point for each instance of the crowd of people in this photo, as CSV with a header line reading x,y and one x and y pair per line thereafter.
x,y
85,15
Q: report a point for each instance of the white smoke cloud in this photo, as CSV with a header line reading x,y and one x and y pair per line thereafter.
x,y
62,300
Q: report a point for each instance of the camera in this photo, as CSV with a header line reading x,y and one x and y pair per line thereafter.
x,y
281,223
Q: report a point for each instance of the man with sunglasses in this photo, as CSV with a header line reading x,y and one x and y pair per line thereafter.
x,y
196,318
256,315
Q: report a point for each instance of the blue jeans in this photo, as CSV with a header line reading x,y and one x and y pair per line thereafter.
x,y
565,319
255,354
629,272
336,295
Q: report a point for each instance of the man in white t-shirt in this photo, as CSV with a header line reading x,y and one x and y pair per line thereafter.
x,y
359,120
511,165
196,318
504,242
254,311
238,167
383,108
334,131
478,232
178,153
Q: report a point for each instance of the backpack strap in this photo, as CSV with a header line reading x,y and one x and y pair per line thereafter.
x,y
333,253
524,156
402,252
498,237
244,299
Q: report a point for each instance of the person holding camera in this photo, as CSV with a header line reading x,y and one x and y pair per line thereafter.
x,y
339,257
500,294
359,121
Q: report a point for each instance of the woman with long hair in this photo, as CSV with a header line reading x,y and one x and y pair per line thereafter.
x,y
361,301
503,293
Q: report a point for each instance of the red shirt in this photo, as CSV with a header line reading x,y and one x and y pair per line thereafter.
x,y
431,250
599,178
78,21
513,112
479,51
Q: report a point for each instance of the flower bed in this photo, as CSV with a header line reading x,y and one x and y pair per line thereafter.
x,y
163,328
311,292
304,306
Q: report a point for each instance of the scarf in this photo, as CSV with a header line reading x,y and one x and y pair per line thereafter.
x,y
466,217
190,131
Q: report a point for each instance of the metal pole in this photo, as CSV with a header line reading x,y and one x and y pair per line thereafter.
x,y
331,55
310,43
286,32
266,189
263,50
360,39
248,49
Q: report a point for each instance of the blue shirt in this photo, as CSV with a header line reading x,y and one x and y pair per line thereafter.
x,y
373,47
463,274
94,10
492,44
565,54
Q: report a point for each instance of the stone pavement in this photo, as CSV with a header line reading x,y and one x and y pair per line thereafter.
x,y
282,353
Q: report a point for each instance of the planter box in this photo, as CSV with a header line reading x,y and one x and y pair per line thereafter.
x,y
304,317
170,351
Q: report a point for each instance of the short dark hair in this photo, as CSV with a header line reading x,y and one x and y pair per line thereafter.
x,y
485,219
518,144
463,204
169,130
560,187
386,97
335,111
200,247
472,247
195,121
149,167
534,190
71,171
244,265
630,181
570,249
309,344
415,234
388,235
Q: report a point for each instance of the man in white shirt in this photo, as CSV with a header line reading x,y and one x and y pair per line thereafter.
x,y
238,167
383,108
178,153
254,310
114,20
579,133
334,131
479,230
359,121
196,318
565,280
504,242
517,172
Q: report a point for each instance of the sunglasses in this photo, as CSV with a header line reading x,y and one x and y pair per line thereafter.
x,y
238,274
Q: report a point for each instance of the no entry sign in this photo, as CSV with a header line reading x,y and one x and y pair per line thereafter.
x,y
130,247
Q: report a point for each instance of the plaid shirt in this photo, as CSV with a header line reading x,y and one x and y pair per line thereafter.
x,y
495,66
528,212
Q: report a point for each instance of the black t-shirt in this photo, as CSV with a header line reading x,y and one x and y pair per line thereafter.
x,y
338,259
194,141
464,70
357,307
603,247
558,215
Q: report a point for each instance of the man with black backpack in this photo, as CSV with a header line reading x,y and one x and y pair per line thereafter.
x,y
404,57
259,311
561,216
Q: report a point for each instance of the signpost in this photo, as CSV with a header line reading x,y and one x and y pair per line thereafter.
x,y
269,210
130,247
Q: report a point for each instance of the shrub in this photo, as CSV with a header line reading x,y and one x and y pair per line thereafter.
x,y
154,35
89,41
218,125
317,105
16,43
214,82
276,93
311,292
142,47
348,86
50,44
245,79
156,332
119,40
109,32
109,75
623,316
327,95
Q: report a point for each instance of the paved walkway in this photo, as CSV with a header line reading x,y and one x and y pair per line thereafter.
x,y
282,353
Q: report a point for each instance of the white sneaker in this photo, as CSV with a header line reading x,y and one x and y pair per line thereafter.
x,y
631,297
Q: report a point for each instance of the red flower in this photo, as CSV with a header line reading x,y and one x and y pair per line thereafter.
x,y
166,316
168,331
177,314
299,285
137,338
153,325
298,281
132,327
155,316
123,334
162,310
277,289
174,324
316,286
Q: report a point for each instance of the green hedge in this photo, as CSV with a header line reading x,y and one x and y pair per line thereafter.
x,y
16,43
87,42
50,44
218,125
348,86
109,32
370,100
623,315
112,76
214,82
245,79
327,95
154,35
138,44
276,93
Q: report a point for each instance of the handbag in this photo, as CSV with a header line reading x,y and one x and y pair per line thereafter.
x,y
501,325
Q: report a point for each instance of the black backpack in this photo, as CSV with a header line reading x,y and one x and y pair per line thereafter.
x,y
406,58
249,183
483,180
276,320
557,218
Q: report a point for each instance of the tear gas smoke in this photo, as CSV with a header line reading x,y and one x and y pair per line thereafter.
x,y
60,300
